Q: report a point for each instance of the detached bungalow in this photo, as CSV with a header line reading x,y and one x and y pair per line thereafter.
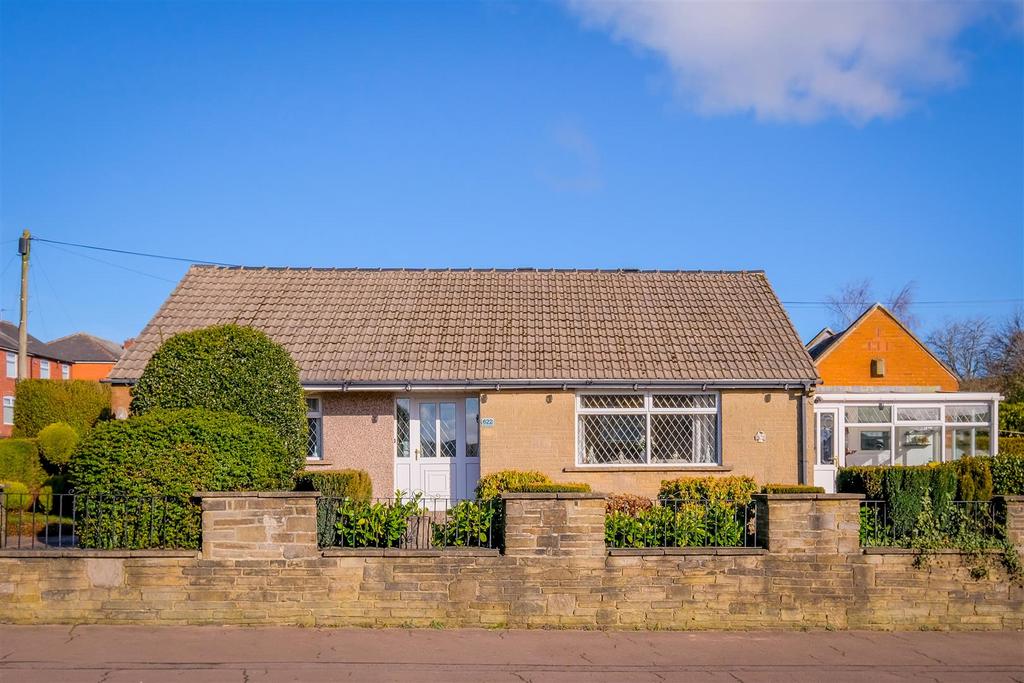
x,y
429,378
886,399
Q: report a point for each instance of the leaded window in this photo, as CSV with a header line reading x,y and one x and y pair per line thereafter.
x,y
314,429
647,429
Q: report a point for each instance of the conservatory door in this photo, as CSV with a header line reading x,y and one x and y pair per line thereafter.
x,y
826,450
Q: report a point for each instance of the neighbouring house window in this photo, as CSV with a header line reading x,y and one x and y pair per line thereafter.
x,y
472,427
315,431
65,371
402,428
647,429
12,365
44,369
967,430
8,410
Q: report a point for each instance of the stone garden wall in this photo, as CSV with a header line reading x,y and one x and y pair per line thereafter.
x,y
555,572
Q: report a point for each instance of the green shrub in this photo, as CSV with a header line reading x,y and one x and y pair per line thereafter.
x,y
1008,474
550,487
376,525
1009,445
792,488
469,523
56,443
41,402
17,496
19,461
863,480
1011,418
493,485
974,478
736,489
169,454
232,369
718,524
333,487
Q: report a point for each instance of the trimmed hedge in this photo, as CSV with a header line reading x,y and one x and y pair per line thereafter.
x,y
493,485
41,402
1011,418
158,460
792,488
1008,474
736,489
17,497
233,369
337,487
1011,445
550,487
56,443
19,461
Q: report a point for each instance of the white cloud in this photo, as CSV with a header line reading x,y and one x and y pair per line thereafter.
x,y
798,60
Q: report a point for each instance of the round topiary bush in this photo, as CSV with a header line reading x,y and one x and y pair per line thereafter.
x,y
56,443
228,368
134,479
17,496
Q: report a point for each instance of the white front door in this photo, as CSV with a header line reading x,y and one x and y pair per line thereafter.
x,y
442,460
826,448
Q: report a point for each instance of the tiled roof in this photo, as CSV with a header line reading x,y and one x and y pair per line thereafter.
x,y
86,348
9,342
362,325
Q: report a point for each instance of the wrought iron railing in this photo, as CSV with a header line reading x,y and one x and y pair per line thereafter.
x,y
102,521
883,526
678,523
412,522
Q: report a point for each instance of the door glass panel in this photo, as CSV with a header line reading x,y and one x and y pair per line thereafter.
x,y
449,430
402,428
918,445
826,438
428,430
472,427
959,442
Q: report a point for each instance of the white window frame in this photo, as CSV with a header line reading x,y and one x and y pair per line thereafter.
x,y
647,410
65,371
12,365
8,403
973,426
44,369
316,414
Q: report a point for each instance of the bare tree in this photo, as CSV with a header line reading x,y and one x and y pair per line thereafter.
x,y
964,346
1006,356
854,297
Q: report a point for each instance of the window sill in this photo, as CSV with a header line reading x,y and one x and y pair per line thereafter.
x,y
649,468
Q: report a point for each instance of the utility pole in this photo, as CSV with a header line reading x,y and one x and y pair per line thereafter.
x,y
23,249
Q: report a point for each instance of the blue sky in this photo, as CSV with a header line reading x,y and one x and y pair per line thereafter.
x,y
822,149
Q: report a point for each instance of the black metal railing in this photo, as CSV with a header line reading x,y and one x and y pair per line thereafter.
x,y
678,523
882,525
100,521
411,522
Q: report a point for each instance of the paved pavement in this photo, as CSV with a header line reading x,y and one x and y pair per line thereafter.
x,y
114,654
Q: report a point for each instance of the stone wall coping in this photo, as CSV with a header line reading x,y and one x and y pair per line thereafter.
x,y
566,495
410,552
256,494
650,468
809,496
109,554
646,552
915,551
1009,499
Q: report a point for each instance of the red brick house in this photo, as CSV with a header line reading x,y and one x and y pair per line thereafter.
x,y
44,363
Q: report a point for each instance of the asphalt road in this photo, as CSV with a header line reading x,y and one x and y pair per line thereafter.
x,y
114,654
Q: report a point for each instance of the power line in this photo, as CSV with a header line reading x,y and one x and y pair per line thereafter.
x,y
135,253
919,303
115,265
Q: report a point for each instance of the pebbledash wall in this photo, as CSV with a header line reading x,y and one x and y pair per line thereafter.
x,y
260,565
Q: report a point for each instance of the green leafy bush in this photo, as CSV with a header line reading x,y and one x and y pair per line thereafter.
x,y
163,457
1011,418
717,524
41,402
627,503
1008,474
232,369
468,523
974,478
17,496
1010,445
736,489
334,486
56,443
376,525
19,461
493,485
550,487
791,488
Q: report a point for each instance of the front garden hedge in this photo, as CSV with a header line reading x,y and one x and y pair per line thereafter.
x,y
19,461
335,487
135,478
737,489
41,402
231,369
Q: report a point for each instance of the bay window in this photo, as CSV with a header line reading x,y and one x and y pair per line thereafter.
x,y
647,429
